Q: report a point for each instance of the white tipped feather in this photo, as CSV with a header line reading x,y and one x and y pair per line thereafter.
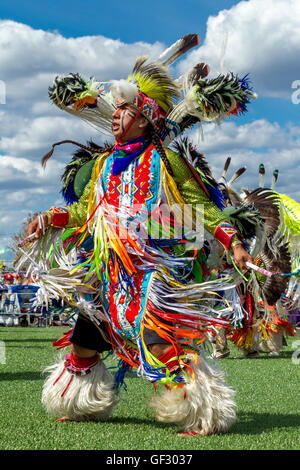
x,y
180,47
274,179
261,175
236,175
226,166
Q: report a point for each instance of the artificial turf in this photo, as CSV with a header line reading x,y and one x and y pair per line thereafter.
x,y
267,396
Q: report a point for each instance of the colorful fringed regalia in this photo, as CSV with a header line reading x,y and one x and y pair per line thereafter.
x,y
275,283
142,247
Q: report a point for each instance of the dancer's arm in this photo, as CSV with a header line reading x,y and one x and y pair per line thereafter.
x,y
61,217
73,215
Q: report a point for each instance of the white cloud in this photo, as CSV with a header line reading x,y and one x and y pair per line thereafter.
x,y
263,38
254,135
31,58
26,168
250,145
39,132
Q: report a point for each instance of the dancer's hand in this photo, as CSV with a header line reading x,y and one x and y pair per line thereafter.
x,y
38,226
241,256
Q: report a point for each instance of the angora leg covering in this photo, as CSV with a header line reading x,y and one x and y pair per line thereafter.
x,y
204,405
90,397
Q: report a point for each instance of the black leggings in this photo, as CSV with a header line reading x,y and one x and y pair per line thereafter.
x,y
87,335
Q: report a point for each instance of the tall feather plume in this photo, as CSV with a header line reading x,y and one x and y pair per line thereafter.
x,y
226,166
180,47
261,172
154,81
274,179
236,175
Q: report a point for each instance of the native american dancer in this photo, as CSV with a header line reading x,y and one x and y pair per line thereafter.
x,y
143,248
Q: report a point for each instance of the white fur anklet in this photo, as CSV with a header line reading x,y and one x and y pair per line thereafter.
x,y
204,405
83,393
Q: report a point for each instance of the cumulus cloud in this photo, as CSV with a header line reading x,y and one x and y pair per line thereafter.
x,y
25,188
257,41
29,61
37,133
260,37
250,145
254,135
31,58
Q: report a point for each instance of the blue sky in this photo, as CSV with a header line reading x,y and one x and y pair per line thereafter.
x,y
41,40
132,21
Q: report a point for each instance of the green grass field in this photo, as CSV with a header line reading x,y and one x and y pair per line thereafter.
x,y
268,405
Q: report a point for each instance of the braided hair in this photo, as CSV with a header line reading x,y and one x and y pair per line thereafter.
x,y
91,148
160,149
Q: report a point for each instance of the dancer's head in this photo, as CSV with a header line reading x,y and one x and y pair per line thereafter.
x,y
128,123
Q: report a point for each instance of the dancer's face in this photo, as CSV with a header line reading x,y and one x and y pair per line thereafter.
x,y
124,117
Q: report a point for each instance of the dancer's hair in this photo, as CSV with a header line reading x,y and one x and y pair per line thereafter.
x,y
160,149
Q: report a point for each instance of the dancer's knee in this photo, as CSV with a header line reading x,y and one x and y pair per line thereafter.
x,y
80,351
159,350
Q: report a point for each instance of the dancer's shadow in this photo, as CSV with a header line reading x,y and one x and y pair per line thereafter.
x,y
31,340
118,420
262,355
25,375
256,423
248,423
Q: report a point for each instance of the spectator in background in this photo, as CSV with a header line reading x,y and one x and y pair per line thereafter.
x,y
9,279
26,292
9,304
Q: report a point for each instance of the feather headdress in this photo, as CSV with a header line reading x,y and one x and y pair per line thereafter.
x,y
149,88
154,81
171,105
83,98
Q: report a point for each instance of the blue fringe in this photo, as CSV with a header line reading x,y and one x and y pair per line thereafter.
x,y
125,277
119,376
216,196
245,83
69,195
154,374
